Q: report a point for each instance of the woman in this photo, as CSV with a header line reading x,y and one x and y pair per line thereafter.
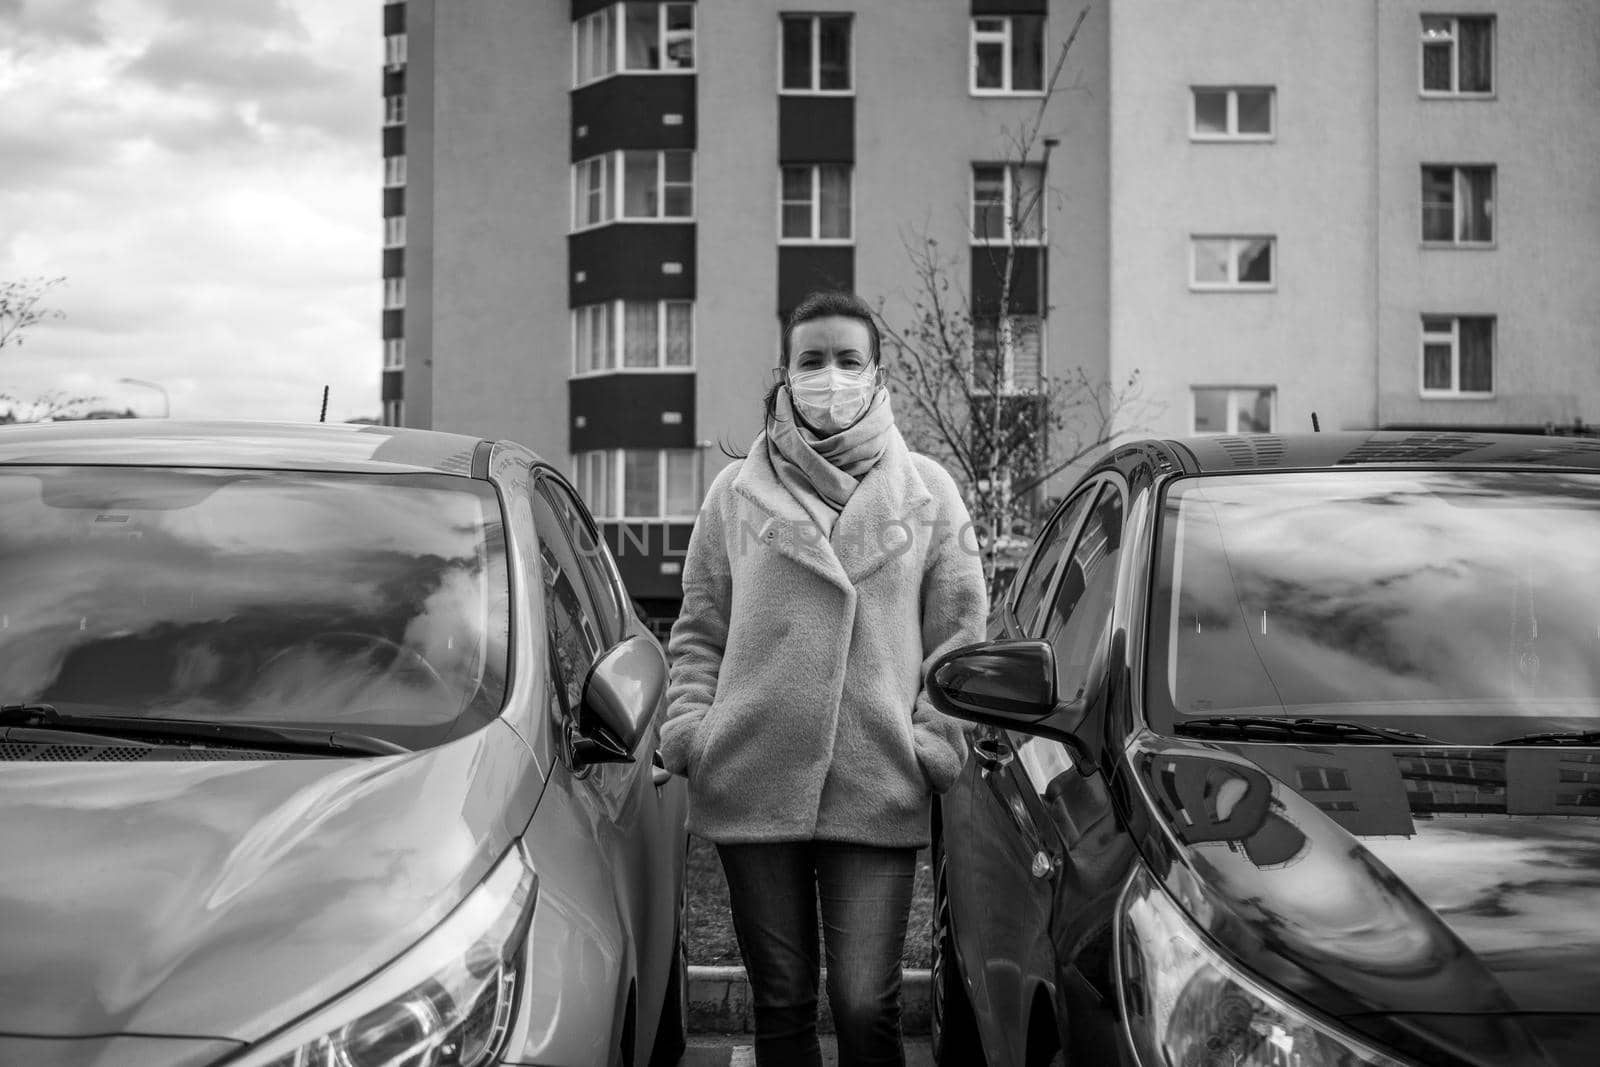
x,y
828,568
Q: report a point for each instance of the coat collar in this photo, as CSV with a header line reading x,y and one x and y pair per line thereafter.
x,y
881,520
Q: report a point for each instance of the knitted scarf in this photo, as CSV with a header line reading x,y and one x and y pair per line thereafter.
x,y
822,472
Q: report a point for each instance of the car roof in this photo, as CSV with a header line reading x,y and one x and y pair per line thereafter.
x,y
1224,453
241,444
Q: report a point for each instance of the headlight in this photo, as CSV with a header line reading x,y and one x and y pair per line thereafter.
x,y
446,1003
1186,1006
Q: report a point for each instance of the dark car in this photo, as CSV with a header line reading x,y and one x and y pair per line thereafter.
x,y
324,745
1289,754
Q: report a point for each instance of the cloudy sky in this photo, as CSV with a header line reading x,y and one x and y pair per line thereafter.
x,y
205,174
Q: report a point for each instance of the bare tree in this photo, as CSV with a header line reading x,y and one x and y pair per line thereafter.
x,y
22,307
953,363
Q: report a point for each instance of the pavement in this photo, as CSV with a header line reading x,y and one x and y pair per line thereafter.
x,y
736,1050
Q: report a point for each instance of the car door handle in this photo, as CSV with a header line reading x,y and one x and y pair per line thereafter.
x,y
658,770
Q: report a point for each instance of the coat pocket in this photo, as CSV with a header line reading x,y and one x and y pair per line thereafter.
x,y
702,738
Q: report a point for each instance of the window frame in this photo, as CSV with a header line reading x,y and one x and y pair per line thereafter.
x,y
394,171
1009,189
613,22
1455,92
815,20
1425,338
394,293
394,231
1006,39
1235,243
1232,134
615,462
614,314
394,109
1085,494
599,568
816,205
394,51
613,186
1460,186
394,353
394,411
1232,407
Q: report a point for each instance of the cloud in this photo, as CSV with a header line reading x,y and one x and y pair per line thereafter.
x,y
206,177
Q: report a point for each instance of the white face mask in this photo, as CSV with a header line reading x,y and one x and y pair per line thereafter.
x,y
832,399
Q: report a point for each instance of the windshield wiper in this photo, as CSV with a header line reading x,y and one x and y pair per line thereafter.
x,y
190,731
1567,737
1267,728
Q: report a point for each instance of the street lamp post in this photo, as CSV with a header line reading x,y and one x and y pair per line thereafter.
x,y
166,402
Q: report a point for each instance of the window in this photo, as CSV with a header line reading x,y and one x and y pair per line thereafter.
x,y
1007,203
1008,54
394,353
1232,263
394,292
635,38
817,203
1080,616
1458,205
633,185
1052,545
1019,363
658,37
1243,114
394,110
594,47
595,562
648,335
1457,355
1458,55
394,51
394,231
394,412
394,170
640,483
816,54
1322,779
573,624
1234,410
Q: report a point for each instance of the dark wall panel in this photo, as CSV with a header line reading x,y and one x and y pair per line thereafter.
x,y
394,140
625,411
631,261
802,268
394,323
1010,7
394,81
633,111
393,384
394,263
816,129
641,549
394,201
1028,279
394,18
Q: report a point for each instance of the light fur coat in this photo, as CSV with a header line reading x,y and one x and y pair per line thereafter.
x,y
795,703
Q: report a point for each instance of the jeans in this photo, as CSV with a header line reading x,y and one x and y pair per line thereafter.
x,y
865,894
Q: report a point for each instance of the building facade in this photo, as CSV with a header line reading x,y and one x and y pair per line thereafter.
x,y
596,214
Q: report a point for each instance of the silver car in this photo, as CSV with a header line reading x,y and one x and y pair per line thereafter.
x,y
324,745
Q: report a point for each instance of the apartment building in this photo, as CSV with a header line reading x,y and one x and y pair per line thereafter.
x,y
596,214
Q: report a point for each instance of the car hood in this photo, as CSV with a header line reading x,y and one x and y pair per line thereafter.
x,y
1392,880
223,899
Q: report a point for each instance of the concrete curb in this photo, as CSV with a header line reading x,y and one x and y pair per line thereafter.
x,y
720,1002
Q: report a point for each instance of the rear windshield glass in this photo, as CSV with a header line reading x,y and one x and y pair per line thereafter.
x,y
1467,602
375,604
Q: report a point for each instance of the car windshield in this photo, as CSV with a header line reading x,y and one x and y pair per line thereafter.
x,y
1461,604
368,603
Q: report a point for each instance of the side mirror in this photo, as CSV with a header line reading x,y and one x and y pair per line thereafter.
x,y
1010,685
620,695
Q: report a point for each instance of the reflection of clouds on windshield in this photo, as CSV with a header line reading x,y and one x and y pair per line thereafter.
x,y
1341,589
186,605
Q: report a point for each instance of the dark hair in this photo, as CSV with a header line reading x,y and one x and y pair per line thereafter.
x,y
822,304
